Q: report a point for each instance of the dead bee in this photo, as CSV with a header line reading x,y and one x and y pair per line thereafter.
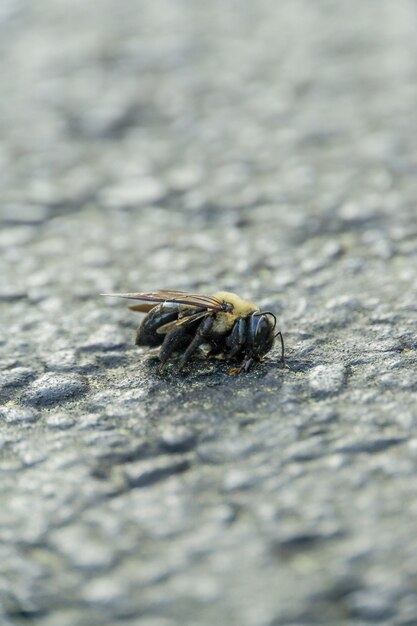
x,y
223,324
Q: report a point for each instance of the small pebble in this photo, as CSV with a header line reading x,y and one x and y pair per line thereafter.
x,y
327,379
11,294
18,415
178,439
94,554
144,473
105,591
132,193
24,213
60,421
398,380
51,389
370,605
15,377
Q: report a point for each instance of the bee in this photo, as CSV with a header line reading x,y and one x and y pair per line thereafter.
x,y
222,325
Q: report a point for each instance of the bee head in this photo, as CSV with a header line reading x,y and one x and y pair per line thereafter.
x,y
260,333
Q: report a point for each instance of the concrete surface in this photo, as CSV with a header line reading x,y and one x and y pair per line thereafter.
x,y
263,147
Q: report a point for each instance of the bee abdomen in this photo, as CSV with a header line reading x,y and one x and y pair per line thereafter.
x,y
160,315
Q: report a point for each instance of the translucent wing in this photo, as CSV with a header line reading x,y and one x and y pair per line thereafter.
x,y
182,321
179,297
143,307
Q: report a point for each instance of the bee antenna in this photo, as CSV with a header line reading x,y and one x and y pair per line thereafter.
x,y
268,313
279,334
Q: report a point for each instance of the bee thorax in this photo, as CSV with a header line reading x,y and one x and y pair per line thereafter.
x,y
241,307
224,320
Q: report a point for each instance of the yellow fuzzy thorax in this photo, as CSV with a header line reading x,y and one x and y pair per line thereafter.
x,y
224,320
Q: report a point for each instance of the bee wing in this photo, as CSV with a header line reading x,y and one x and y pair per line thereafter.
x,y
179,297
166,328
144,307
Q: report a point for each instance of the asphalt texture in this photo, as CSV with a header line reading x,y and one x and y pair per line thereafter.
x,y
266,148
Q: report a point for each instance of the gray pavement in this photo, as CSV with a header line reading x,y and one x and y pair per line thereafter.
x,y
267,148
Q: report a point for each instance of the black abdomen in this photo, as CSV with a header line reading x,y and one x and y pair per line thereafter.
x,y
161,314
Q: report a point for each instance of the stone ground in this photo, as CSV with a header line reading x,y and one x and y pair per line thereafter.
x,y
262,147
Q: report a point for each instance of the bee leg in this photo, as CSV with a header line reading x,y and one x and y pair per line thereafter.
x,y
199,338
174,340
246,365
237,338
195,343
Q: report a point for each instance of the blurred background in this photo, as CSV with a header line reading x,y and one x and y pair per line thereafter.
x,y
175,134
267,148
